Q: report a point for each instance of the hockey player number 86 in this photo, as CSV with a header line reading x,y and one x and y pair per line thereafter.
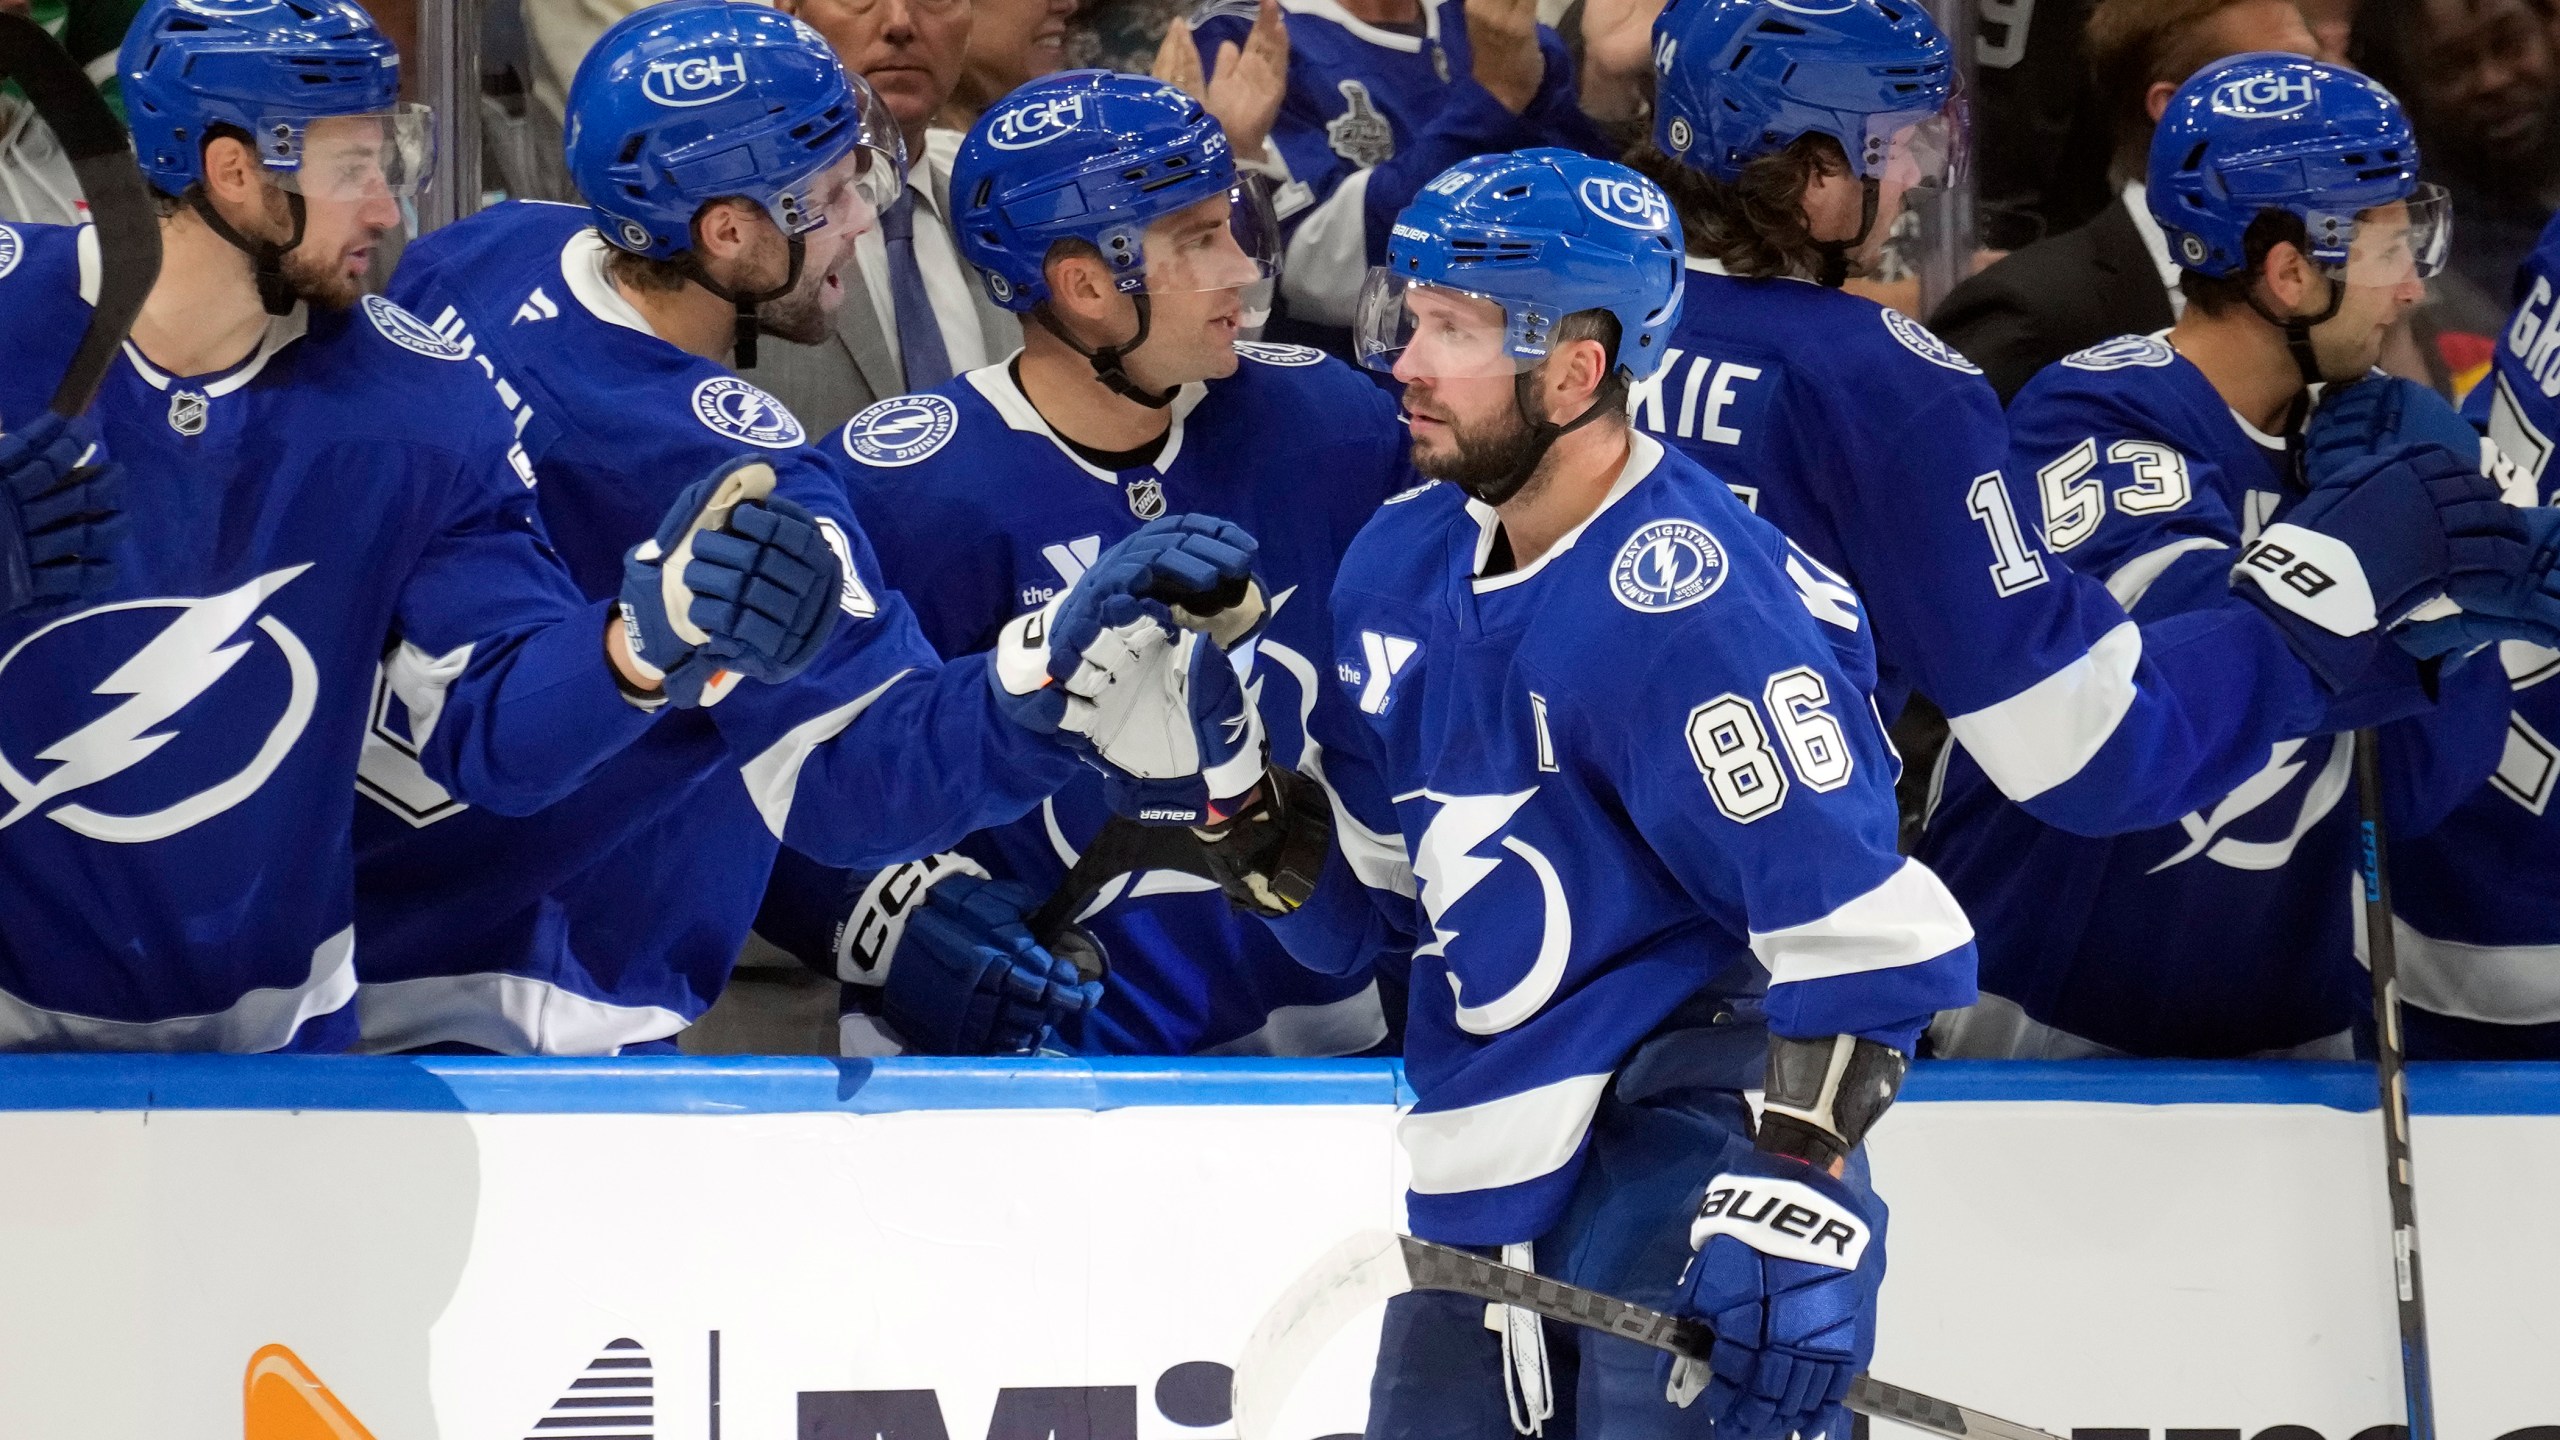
x,y
1732,750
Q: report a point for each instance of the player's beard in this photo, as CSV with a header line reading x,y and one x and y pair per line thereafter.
x,y
323,284
801,316
1490,460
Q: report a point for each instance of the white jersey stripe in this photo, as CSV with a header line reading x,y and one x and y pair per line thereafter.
x,y
510,1014
259,1021
1508,1141
2041,736
773,778
1910,919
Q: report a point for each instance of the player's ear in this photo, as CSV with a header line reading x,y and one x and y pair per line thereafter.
x,y
232,174
722,231
2289,277
1079,282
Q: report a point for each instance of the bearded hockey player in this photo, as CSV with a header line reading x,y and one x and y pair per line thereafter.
x,y
1105,209
611,919
308,475
1789,141
1643,818
2289,190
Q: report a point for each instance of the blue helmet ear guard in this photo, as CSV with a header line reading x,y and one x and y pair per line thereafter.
x,y
1095,157
685,103
1540,235
191,68
1739,79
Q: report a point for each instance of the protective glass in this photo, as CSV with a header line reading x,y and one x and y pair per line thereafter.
x,y
2394,244
1223,242
1436,332
351,157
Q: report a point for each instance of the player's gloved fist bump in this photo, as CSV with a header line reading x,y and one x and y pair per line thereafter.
x,y
61,513
737,583
1788,1263
958,970
2518,603
2381,415
2376,540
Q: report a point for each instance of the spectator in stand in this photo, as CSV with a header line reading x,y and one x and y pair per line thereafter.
x,y
1010,41
2112,276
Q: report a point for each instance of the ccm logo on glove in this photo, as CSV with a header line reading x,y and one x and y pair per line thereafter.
x,y
1784,1218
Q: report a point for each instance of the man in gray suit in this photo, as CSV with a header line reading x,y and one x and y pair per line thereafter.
x,y
915,313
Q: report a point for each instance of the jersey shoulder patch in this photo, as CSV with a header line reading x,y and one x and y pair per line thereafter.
x,y
11,247
2125,352
1667,565
901,430
411,333
1917,338
727,405
1270,353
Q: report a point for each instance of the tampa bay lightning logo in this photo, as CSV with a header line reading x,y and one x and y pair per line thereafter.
x,y
1634,204
901,430
1270,353
1917,339
2125,352
138,758
730,406
1459,852
411,333
1667,565
11,247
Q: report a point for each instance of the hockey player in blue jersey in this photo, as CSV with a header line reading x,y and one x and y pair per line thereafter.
x,y
2290,190
731,161
1382,95
2478,913
1642,818
1131,394
1789,141
307,476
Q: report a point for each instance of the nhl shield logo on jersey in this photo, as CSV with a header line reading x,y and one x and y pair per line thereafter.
x,y
1270,353
2125,352
411,333
1917,339
1146,498
187,411
11,247
727,405
203,686
1360,134
1668,565
901,430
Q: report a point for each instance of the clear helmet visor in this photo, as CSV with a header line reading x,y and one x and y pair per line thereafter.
x,y
1916,149
846,197
2393,244
351,157
1416,330
1227,241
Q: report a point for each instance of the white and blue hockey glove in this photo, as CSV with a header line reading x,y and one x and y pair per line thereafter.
x,y
60,514
1789,1261
2374,541
2380,415
957,970
736,584
1129,666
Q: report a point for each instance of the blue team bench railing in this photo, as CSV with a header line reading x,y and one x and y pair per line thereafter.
x,y
713,1085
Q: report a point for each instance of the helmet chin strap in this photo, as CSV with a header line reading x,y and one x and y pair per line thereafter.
x,y
1835,254
742,355
2297,343
1544,432
1109,361
266,258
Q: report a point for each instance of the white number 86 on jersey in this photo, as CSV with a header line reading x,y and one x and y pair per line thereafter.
x,y
1742,771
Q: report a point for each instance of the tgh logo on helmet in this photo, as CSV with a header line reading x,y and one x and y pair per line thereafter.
x,y
1630,203
1036,123
695,79
2263,97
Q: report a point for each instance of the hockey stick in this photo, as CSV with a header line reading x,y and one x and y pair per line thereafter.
x,y
128,227
2398,1176
1373,1267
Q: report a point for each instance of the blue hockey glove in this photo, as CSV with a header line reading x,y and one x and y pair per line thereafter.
x,y
60,515
2381,415
1787,1267
958,972
2379,538
1140,686
736,584
2518,604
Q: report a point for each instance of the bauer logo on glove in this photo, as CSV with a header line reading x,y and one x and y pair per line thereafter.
x,y
1785,1218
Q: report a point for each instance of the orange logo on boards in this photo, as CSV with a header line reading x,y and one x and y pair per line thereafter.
x,y
283,1400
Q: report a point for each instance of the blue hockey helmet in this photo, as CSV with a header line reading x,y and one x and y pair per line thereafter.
x,y
684,103
269,69
1529,238
1095,156
2260,132
1738,79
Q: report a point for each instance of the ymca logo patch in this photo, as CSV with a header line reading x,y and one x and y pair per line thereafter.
x,y
901,430
1274,354
727,405
1668,565
11,247
411,333
1360,134
1915,337
2125,352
